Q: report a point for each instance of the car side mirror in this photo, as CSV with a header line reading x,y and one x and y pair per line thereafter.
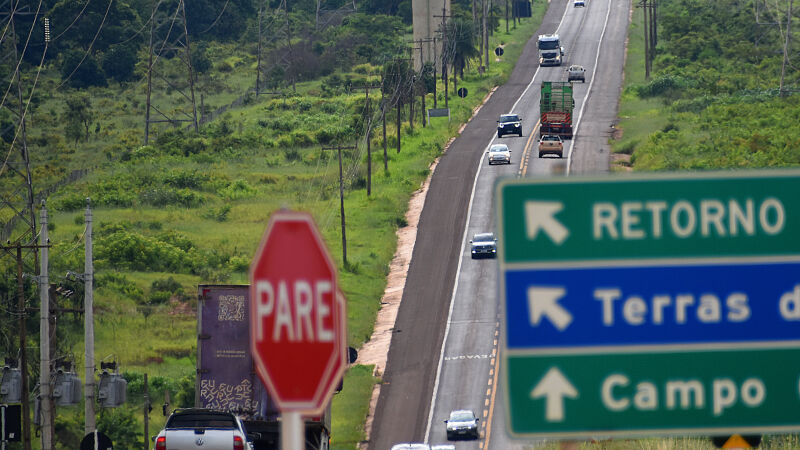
x,y
445,421
477,419
470,241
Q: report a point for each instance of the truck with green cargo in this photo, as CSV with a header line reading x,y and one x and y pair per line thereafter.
x,y
555,109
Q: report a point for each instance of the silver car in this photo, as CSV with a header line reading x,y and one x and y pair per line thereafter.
x,y
499,154
462,423
411,446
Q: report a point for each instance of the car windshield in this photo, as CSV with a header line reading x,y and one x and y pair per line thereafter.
x,y
499,148
509,118
483,237
461,416
550,138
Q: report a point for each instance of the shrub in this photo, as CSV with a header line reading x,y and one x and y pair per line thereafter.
x,y
237,190
164,197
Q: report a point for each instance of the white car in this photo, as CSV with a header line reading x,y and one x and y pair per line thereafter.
x,y
411,446
499,154
579,3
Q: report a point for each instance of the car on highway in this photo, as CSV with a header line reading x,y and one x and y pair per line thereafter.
x,y
579,4
462,423
576,72
551,144
411,446
509,124
190,427
499,154
443,447
484,245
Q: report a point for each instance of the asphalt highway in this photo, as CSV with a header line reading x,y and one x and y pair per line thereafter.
x,y
444,353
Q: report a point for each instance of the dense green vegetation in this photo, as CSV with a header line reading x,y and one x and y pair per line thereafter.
x,y
712,101
189,208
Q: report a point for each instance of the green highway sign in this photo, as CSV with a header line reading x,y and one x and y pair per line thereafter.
x,y
651,304
679,392
650,216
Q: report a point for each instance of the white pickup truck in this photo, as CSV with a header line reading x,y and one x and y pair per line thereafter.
x,y
202,429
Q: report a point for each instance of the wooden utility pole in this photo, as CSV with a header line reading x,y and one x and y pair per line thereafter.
x,y
22,311
383,122
786,44
339,149
258,63
146,413
444,17
369,135
646,42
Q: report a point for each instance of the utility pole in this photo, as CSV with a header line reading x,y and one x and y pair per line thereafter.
x,y
369,134
146,414
444,17
383,122
643,4
258,61
422,73
339,149
786,43
176,41
90,425
46,399
485,34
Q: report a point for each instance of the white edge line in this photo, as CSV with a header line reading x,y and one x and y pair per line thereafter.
x,y
461,254
455,289
588,92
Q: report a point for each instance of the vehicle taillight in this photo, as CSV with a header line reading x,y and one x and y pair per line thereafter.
x,y
161,443
238,443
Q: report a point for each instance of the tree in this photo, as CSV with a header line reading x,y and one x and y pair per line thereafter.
x,y
460,44
119,62
80,70
78,116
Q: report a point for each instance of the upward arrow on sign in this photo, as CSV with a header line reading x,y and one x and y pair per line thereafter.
x,y
554,386
541,216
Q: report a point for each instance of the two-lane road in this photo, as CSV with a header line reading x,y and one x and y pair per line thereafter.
x,y
444,353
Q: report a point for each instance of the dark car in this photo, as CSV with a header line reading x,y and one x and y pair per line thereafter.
x,y
484,245
509,124
462,423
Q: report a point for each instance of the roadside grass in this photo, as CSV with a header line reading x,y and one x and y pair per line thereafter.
x,y
674,443
351,410
637,117
159,339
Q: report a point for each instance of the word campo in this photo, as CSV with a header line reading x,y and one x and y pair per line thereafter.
x,y
618,396
683,219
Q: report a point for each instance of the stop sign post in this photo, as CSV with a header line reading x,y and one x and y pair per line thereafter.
x,y
298,319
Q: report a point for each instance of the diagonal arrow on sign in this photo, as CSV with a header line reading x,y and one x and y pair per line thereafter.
x,y
554,386
543,302
541,216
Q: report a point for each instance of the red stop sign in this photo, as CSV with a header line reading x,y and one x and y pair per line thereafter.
x,y
297,319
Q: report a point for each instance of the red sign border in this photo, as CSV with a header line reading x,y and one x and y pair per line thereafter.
x,y
335,368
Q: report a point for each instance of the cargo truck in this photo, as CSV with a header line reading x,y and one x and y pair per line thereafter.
x,y
555,109
226,377
550,50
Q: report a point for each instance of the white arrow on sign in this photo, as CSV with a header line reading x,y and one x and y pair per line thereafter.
x,y
555,386
541,216
543,302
